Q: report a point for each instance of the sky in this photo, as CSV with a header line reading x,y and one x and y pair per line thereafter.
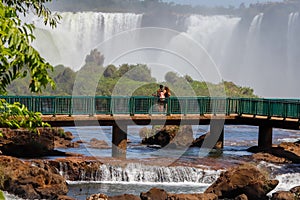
x,y
225,3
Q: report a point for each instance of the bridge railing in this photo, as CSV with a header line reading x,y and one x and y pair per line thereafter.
x,y
91,105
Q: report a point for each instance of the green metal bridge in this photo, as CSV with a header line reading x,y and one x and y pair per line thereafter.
x,y
114,105
122,111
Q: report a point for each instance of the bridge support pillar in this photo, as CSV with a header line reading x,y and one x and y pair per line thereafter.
x,y
265,134
119,141
216,136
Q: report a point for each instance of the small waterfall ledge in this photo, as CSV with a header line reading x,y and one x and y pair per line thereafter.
x,y
80,170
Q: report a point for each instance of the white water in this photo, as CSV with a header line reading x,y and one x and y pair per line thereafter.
x,y
79,33
140,173
291,44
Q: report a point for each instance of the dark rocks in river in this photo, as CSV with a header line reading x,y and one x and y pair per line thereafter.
x,y
283,195
154,193
198,142
30,182
244,179
98,144
173,136
286,152
25,143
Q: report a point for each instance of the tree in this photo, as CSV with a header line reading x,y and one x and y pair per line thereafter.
x,y
95,57
171,77
110,71
17,57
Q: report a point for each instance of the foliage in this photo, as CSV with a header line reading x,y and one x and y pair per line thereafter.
x,y
129,80
17,57
16,115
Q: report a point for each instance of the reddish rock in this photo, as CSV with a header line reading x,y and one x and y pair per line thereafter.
x,y
296,191
199,141
24,143
30,182
283,195
72,168
98,144
270,158
285,152
208,196
174,136
244,179
241,197
154,194
97,197
125,197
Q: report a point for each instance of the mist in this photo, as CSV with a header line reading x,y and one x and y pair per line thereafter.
x,y
257,47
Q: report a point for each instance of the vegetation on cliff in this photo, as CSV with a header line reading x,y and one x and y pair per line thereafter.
x,y
127,80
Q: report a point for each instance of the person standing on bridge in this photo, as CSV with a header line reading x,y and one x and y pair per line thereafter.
x,y
160,94
167,95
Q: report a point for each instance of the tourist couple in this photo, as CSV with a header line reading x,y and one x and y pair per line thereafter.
x,y
163,93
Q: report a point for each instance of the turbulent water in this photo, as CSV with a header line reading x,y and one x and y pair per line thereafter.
x,y
178,171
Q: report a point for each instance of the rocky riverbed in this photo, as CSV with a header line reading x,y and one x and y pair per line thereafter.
x,y
48,178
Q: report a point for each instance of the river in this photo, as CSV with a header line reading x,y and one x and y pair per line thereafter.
x,y
178,171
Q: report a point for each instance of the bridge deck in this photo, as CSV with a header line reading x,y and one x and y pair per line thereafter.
x,y
108,120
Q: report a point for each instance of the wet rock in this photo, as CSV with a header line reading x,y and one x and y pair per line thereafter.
x,y
296,191
198,142
97,197
63,197
125,197
154,194
24,143
244,179
73,169
30,182
174,136
241,197
208,196
285,152
98,144
283,195
270,158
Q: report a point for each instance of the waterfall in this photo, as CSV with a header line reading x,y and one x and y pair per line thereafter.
x,y
78,33
139,173
213,32
291,44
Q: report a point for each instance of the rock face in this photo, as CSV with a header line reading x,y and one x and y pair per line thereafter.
x,y
72,169
283,195
198,142
160,194
98,144
173,136
23,143
244,179
286,152
30,182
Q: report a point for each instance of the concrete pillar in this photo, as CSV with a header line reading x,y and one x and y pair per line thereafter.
x,y
119,141
215,139
265,134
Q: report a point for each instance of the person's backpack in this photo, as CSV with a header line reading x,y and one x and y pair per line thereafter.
x,y
162,96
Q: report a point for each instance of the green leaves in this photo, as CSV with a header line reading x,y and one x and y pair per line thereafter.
x,y
17,57
16,115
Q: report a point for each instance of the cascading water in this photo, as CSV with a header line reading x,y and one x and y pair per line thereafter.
x,y
251,52
139,173
78,33
291,44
